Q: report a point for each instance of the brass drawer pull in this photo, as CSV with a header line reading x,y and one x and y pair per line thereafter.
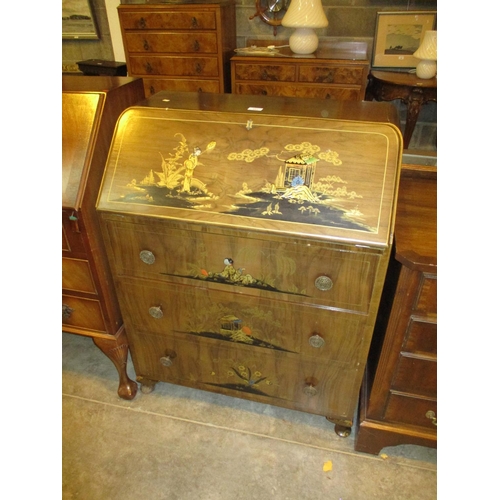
x,y
432,416
142,23
323,283
66,311
145,45
316,341
310,390
147,257
156,312
194,22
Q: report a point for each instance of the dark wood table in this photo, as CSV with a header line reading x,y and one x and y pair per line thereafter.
x,y
413,91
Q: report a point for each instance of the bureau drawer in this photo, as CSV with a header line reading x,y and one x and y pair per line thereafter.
x,y
174,65
426,298
265,325
154,85
416,376
277,378
265,72
147,20
203,43
307,91
331,74
421,338
297,271
410,410
82,313
77,276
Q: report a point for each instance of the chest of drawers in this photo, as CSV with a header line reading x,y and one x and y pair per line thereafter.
x,y
249,246
323,75
399,396
182,47
90,107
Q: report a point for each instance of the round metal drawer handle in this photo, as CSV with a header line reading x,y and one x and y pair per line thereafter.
x,y
316,341
156,312
309,390
166,361
323,283
147,257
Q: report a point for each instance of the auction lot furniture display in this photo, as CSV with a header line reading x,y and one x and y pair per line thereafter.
x,y
90,107
399,395
180,46
249,239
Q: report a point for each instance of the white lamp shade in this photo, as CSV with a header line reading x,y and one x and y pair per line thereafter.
x,y
305,14
428,48
427,53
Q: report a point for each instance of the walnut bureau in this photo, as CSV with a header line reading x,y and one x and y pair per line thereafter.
x,y
180,46
90,107
399,395
249,239
327,74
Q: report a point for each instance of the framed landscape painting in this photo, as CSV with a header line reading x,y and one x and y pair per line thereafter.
x,y
78,20
398,36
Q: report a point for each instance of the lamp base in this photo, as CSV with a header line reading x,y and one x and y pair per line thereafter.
x,y
303,41
426,69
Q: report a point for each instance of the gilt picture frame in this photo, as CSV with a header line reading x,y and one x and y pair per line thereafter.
x,y
398,35
78,21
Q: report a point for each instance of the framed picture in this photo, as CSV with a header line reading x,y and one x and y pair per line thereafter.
x,y
398,36
78,20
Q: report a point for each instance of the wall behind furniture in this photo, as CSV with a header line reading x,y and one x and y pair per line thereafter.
x,y
350,20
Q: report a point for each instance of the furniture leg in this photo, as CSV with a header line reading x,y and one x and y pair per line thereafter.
x,y
342,427
117,351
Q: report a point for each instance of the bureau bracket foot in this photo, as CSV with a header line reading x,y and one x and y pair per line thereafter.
x,y
342,427
147,385
117,351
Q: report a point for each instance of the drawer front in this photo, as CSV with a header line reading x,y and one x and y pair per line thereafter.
x,y
147,20
331,74
77,276
154,85
306,91
416,376
174,66
203,43
265,72
413,411
426,299
82,313
293,270
421,338
277,378
233,318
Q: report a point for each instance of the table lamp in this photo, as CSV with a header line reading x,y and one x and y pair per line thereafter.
x,y
304,16
427,53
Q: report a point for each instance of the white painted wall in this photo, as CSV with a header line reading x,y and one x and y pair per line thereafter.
x,y
114,28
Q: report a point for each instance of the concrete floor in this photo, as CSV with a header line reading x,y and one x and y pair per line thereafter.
x,y
183,444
